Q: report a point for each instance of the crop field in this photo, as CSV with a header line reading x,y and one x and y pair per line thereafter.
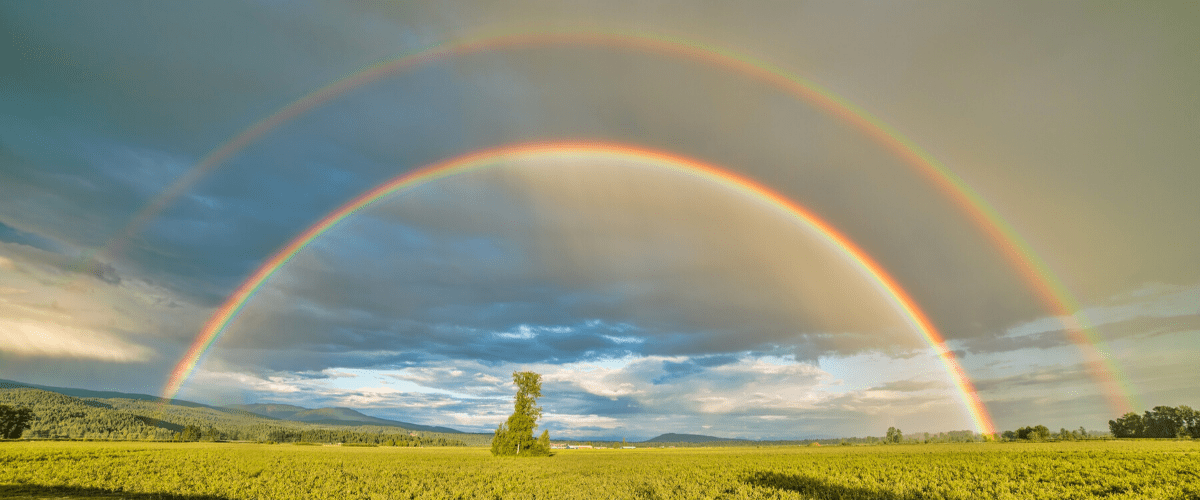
x,y
1114,469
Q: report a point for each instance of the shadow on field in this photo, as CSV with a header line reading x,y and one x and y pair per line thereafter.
x,y
61,492
818,488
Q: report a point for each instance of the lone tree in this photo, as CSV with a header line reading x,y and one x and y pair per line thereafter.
x,y
894,436
515,437
14,421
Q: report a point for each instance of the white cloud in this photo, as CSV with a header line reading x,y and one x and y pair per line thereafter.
x,y
522,333
487,379
42,339
526,332
568,421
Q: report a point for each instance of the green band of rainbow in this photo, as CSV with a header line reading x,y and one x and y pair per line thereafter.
x,y
491,157
1020,254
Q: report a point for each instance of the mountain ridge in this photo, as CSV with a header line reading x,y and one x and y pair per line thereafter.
x,y
332,416
339,416
672,437
88,393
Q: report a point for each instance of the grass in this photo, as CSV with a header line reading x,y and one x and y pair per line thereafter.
x,y
1111,470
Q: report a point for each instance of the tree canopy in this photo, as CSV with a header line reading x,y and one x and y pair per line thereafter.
x,y
1161,422
514,437
14,421
1034,433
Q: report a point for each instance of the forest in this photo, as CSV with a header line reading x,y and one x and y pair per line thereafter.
x,y
58,416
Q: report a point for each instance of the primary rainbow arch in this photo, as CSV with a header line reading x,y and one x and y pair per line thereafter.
x,y
908,308
1050,290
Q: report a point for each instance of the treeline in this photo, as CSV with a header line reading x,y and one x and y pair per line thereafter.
x,y
736,443
57,416
895,436
1043,433
241,425
279,435
1161,422
964,436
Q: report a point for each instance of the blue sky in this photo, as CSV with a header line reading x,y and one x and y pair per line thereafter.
x,y
651,302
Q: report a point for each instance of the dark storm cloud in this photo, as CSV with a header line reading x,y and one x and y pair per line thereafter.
x,y
254,208
417,308
1054,377
54,259
866,402
41,185
587,404
105,151
676,371
909,385
463,295
14,235
673,370
613,254
1132,328
568,98
168,74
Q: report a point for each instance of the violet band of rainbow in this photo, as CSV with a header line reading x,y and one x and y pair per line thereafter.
x,y
887,285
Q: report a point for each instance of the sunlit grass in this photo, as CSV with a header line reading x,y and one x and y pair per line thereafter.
x,y
1120,469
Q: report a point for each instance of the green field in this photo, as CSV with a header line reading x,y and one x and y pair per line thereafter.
x,y
1112,469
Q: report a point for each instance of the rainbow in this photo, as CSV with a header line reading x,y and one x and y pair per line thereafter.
x,y
1048,287
908,308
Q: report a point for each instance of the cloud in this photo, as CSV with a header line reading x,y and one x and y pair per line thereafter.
x,y
38,339
14,235
1054,378
61,310
1151,310
910,385
747,396
581,280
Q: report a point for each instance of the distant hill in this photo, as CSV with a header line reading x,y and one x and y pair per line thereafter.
x,y
323,416
671,437
333,416
59,416
279,411
84,393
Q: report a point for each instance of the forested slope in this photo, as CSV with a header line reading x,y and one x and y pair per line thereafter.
x,y
334,416
61,416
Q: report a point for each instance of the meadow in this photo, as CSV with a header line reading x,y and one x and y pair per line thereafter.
x,y
141,470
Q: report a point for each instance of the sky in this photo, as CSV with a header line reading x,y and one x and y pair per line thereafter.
x,y
650,299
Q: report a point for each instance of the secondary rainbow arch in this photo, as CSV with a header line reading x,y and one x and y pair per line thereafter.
x,y
1048,287
908,308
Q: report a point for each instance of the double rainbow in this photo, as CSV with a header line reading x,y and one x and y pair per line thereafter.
x,y
1020,254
